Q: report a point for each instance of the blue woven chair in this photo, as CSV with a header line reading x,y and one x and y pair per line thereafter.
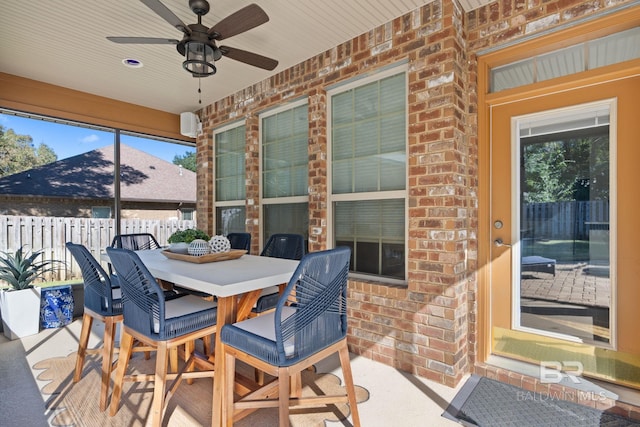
x,y
282,245
288,246
240,241
135,242
308,325
139,242
161,324
101,302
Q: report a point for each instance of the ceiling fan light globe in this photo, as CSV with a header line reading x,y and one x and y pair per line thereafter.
x,y
199,59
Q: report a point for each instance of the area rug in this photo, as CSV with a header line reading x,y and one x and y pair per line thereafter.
x,y
486,402
77,404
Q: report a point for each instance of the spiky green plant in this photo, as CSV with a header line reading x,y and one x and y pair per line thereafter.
x,y
20,269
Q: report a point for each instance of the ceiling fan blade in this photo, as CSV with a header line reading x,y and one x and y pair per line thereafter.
x,y
243,20
165,13
249,58
142,40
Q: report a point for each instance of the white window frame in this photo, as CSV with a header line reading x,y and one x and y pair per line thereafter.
x,y
276,200
378,195
562,115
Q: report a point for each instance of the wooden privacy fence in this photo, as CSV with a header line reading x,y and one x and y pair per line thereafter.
x,y
51,233
563,220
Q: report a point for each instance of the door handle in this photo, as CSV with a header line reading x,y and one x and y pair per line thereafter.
x,y
499,242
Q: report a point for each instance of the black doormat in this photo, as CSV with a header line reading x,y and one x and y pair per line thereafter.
x,y
486,402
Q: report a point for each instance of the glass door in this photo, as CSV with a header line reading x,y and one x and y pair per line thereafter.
x,y
564,255
562,208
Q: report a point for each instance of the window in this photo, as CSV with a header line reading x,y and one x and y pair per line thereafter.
x,y
80,158
230,219
589,55
368,172
230,189
146,166
285,170
101,212
187,214
564,160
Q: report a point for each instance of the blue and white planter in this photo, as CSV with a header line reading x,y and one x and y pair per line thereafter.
x,y
56,307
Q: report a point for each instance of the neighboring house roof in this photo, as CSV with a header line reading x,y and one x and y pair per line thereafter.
x,y
143,177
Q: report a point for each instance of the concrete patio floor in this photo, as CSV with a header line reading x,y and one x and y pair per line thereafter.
x,y
396,398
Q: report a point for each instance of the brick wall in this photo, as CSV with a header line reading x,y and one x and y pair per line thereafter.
x,y
421,328
508,20
82,208
428,327
39,206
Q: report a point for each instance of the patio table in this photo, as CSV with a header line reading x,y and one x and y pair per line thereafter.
x,y
227,280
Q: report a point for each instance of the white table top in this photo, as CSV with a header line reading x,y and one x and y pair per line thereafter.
x,y
222,278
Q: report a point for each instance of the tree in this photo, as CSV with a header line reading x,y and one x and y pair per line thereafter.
x,y
566,169
17,153
544,166
187,160
45,154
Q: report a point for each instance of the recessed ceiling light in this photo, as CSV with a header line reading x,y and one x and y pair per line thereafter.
x,y
132,63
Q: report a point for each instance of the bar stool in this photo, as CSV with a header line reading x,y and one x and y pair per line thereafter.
x,y
101,302
163,324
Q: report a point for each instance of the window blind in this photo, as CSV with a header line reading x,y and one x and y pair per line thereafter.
x,y
285,158
369,137
230,165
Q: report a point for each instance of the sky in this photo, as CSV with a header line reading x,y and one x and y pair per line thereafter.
x,y
68,141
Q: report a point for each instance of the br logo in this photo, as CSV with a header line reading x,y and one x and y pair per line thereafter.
x,y
552,371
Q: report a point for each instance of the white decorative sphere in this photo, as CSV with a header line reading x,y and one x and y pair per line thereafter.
x,y
198,247
219,244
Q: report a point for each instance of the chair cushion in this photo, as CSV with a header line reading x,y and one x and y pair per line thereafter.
x,y
264,326
187,304
267,300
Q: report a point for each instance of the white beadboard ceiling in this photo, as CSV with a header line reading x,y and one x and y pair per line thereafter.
x,y
63,42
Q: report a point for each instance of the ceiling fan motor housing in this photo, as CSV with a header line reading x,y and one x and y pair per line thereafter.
x,y
198,34
199,7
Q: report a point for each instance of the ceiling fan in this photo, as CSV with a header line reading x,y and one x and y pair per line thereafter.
x,y
198,45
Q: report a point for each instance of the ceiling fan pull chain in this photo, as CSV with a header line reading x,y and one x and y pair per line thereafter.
x,y
199,92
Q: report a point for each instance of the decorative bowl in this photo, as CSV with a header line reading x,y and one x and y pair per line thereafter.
x,y
179,248
199,247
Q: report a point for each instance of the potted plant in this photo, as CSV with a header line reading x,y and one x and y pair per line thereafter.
x,y
20,300
179,241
